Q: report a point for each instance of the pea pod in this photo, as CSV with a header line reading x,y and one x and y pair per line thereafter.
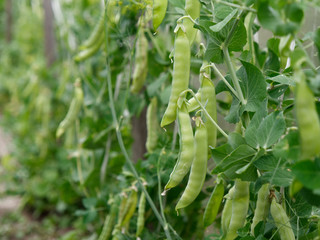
x,y
109,222
192,8
159,11
240,205
281,220
198,168
213,205
141,62
73,111
152,126
130,207
141,210
187,149
208,98
181,71
192,103
262,207
227,211
308,121
88,52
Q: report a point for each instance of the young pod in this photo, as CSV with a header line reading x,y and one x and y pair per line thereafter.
x,y
187,148
141,61
159,11
308,121
198,168
130,207
282,221
73,111
192,103
96,34
227,211
262,206
90,51
208,98
109,222
192,8
181,71
141,210
240,205
213,205
152,126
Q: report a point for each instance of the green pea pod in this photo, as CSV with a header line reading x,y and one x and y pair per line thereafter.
x,y
187,149
198,168
159,11
181,72
73,111
227,211
131,207
192,103
192,8
88,52
262,207
152,126
308,121
141,210
240,205
109,222
208,98
141,62
113,12
282,221
213,205
96,33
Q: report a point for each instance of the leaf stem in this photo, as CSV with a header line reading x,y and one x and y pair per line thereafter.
x,y
205,111
233,75
236,6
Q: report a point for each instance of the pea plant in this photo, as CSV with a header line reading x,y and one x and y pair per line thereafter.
x,y
231,91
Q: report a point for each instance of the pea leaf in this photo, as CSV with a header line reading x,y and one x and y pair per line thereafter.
x,y
271,129
282,79
217,27
308,173
253,86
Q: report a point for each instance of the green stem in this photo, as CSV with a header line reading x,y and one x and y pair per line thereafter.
x,y
205,111
224,80
250,38
155,44
127,158
233,75
236,6
309,61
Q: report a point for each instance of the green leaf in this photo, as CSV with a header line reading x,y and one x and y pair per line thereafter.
x,y
282,79
288,147
316,40
238,155
221,11
253,86
153,87
271,129
217,27
308,173
251,131
235,140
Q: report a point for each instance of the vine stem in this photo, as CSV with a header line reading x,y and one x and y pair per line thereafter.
x,y
233,75
128,160
205,111
236,6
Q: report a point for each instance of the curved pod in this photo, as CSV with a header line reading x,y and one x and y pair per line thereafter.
x,y
159,11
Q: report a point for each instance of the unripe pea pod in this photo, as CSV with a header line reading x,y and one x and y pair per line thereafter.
x,y
73,111
96,34
141,211
281,220
208,98
88,52
141,62
187,148
181,71
262,207
192,103
198,168
192,8
240,205
152,126
308,121
109,222
227,211
213,205
159,11
130,207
